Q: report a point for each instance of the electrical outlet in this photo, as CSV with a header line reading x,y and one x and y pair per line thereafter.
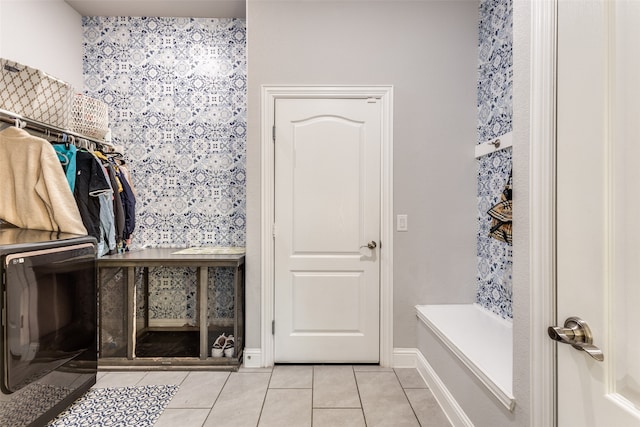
x,y
402,223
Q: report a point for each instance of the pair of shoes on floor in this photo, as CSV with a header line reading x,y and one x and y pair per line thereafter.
x,y
223,346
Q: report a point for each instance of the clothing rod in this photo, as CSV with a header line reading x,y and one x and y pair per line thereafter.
x,y
10,117
495,144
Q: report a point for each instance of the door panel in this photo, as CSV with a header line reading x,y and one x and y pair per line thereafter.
x,y
327,207
327,177
598,233
313,298
626,206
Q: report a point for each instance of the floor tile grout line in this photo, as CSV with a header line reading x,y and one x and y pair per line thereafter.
x,y
137,384
355,378
216,399
313,382
184,379
407,397
264,399
340,408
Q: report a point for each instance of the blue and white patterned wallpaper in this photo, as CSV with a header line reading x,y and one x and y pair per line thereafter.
x,y
495,84
176,91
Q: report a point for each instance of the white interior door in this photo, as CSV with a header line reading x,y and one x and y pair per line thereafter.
x,y
598,202
327,210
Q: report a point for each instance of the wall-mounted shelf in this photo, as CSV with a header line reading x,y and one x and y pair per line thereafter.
x,y
47,129
496,144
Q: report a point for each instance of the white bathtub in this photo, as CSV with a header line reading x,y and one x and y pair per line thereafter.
x,y
482,340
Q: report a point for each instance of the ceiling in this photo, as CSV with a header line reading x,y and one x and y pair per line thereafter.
x,y
170,8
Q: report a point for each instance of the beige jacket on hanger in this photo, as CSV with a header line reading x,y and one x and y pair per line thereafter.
x,y
34,192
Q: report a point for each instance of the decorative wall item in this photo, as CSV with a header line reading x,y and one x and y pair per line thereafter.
x,y
495,111
176,91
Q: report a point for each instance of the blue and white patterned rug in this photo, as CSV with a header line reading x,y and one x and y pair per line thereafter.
x,y
122,407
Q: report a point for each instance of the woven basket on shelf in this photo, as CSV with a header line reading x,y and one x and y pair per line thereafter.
x,y
89,117
34,94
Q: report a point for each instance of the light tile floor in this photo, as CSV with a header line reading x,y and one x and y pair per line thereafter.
x,y
292,395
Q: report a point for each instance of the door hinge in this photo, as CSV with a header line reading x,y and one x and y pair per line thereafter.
x,y
273,231
273,133
273,327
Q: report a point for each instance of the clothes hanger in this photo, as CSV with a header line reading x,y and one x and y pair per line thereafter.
x,y
16,122
64,139
85,144
64,160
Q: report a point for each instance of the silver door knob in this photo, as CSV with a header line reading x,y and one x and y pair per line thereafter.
x,y
370,245
576,332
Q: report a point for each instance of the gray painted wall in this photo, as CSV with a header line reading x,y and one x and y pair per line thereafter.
x,y
428,52
43,34
476,401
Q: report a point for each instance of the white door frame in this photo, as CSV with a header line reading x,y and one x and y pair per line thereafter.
x,y
268,98
542,193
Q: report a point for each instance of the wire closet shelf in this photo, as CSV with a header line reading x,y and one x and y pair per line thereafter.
x,y
50,130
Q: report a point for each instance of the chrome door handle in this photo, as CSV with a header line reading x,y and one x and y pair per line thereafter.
x,y
370,245
576,332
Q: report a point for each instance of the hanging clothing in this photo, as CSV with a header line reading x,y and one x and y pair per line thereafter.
x,y
35,193
107,243
127,174
501,216
129,204
90,184
118,209
127,196
67,156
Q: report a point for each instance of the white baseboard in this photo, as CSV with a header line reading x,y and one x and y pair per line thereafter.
x,y
413,358
252,358
404,358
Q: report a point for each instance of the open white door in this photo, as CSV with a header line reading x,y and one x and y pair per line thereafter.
x,y
327,230
598,217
